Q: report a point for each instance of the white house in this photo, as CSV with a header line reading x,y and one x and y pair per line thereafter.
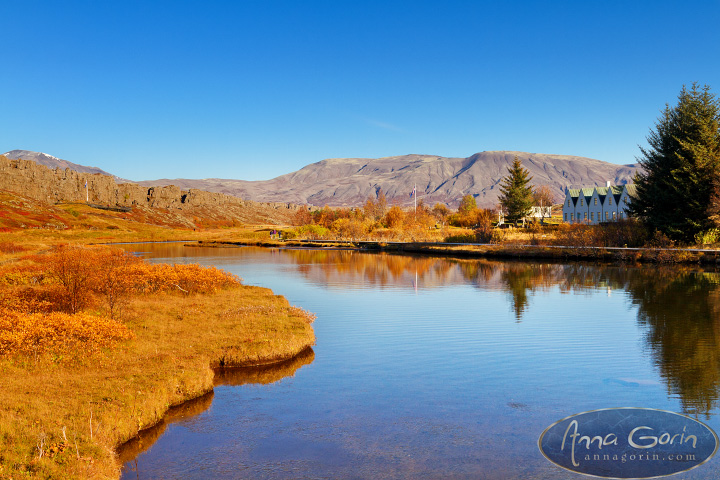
x,y
597,204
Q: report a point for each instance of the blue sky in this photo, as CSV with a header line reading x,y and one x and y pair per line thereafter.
x,y
255,89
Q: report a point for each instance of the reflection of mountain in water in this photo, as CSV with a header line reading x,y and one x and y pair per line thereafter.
x,y
261,375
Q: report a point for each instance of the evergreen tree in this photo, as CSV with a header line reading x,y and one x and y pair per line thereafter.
x,y
681,167
516,194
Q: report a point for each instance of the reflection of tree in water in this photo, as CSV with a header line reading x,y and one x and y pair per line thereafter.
x,y
682,313
374,268
681,309
478,271
521,278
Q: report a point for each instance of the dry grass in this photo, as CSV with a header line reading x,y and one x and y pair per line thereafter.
x,y
66,408
62,417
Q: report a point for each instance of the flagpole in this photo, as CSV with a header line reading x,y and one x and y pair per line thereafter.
x,y
87,195
415,196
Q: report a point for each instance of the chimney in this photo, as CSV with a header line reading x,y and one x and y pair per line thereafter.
x,y
607,184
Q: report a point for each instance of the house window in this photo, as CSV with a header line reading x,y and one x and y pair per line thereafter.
x,y
565,217
620,215
613,215
585,216
596,201
610,198
606,215
572,217
592,216
581,202
569,202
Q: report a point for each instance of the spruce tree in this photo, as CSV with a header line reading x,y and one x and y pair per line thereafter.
x,y
516,194
681,166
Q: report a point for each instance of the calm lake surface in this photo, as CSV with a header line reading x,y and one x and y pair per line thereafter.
x,y
441,368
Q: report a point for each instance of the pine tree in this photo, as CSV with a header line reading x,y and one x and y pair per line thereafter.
x,y
516,194
681,167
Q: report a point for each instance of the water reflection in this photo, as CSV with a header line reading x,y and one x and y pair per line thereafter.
x,y
460,379
129,452
680,307
263,374
682,314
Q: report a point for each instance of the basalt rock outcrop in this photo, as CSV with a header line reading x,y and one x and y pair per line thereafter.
x,y
57,185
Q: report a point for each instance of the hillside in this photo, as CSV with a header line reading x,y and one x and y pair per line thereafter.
x,y
167,205
54,162
350,181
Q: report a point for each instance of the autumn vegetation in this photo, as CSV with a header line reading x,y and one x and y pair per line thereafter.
x,y
376,220
96,344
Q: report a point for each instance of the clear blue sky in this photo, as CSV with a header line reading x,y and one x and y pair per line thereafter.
x,y
255,89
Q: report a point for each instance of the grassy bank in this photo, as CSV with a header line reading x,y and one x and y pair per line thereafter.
x,y
62,417
96,345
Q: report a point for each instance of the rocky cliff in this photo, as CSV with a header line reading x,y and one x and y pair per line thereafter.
x,y
57,185
53,162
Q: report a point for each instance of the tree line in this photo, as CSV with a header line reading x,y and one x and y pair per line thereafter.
x,y
678,192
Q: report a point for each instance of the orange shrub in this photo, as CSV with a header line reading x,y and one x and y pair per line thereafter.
x,y
56,332
394,217
196,279
16,275
73,268
193,278
71,278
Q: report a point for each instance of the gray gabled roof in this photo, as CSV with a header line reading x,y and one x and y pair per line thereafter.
x,y
615,190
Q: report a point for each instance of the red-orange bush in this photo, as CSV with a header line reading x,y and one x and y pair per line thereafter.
x,y
57,332
10,247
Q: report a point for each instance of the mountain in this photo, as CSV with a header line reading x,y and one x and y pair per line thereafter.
x,y
350,181
54,162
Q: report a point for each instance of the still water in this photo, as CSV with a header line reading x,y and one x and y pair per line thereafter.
x,y
441,368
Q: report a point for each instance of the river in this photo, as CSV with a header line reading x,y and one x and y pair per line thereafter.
x,y
441,368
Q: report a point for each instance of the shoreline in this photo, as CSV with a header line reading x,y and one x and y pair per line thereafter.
x,y
709,257
69,417
283,367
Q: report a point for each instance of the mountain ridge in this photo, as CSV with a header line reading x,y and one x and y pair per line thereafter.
x,y
350,181
347,182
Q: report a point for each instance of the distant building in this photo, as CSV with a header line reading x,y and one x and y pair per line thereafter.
x,y
597,204
535,213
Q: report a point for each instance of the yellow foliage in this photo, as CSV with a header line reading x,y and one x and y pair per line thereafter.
x,y
57,332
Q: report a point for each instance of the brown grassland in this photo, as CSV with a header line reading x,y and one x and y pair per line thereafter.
x,y
96,345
